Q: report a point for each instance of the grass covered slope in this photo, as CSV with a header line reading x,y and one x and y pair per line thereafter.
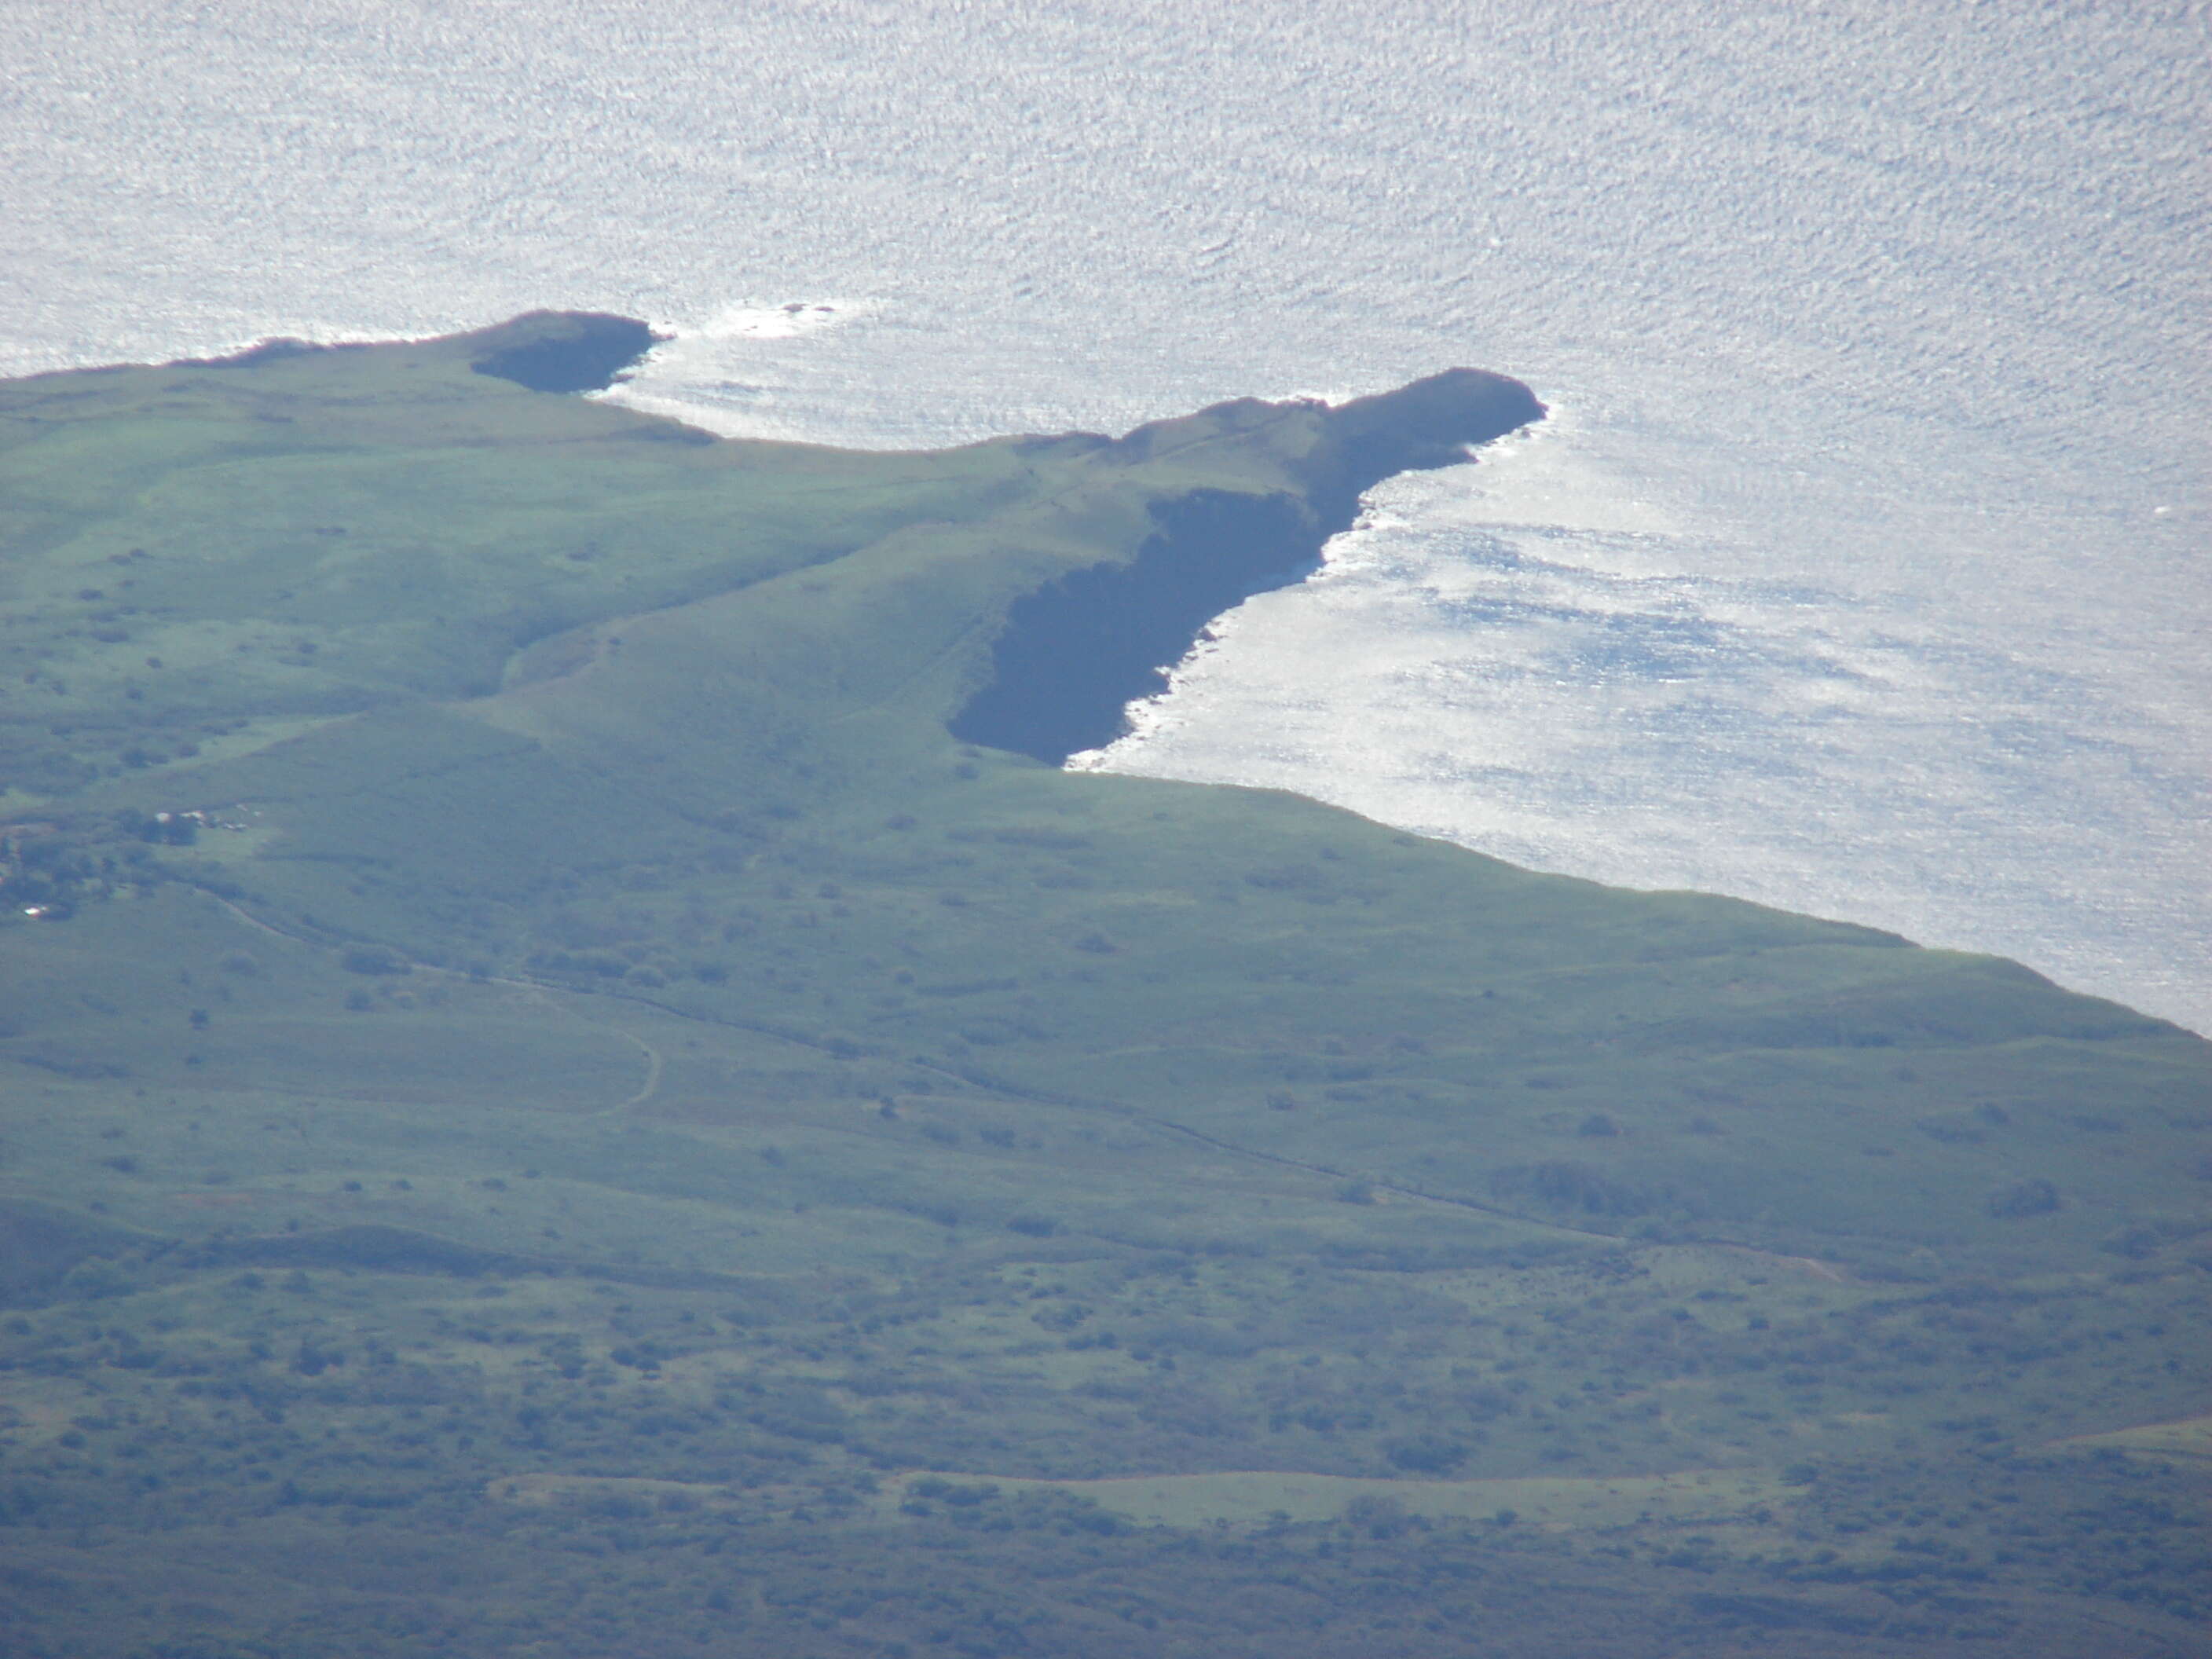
x,y
589,1061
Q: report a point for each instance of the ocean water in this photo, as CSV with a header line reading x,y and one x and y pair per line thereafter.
x,y
1862,568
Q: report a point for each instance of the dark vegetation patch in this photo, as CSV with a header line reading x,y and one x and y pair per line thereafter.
x,y
40,1243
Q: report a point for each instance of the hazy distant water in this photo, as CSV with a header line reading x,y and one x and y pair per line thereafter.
x,y
1862,570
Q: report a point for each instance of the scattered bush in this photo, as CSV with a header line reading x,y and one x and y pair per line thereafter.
x,y
1570,1186
374,959
2023,1198
1425,1454
1378,1517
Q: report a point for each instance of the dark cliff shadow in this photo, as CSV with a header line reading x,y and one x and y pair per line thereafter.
x,y
544,350
1074,655
564,352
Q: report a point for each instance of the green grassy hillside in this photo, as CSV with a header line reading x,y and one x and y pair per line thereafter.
x,y
551,1106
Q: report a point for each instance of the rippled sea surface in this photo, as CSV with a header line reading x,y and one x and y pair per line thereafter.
x,y
1862,568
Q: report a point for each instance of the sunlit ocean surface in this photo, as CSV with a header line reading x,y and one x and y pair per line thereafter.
x,y
1862,568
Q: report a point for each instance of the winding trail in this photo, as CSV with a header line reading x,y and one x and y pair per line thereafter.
x,y
1005,1090
654,1063
543,992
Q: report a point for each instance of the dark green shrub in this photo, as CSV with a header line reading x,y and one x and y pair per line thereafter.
x,y
374,959
2023,1198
